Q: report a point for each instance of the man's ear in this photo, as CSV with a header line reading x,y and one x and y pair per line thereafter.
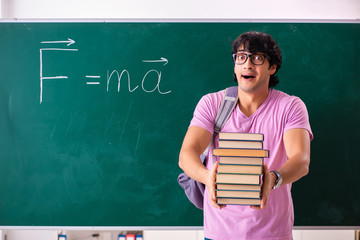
x,y
273,69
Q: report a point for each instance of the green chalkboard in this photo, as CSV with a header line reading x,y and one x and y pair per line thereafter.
x,y
92,117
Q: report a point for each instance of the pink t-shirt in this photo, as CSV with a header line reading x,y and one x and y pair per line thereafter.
x,y
278,113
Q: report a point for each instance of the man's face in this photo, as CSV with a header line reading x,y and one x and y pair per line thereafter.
x,y
254,74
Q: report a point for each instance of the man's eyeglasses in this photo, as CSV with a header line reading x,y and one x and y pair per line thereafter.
x,y
241,58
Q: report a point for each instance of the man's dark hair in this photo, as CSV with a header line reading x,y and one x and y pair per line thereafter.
x,y
255,42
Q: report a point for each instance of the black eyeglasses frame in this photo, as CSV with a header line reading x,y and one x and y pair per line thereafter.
x,y
247,56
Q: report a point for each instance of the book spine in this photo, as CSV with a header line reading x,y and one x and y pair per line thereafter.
x,y
250,179
238,201
240,144
241,136
240,152
240,140
248,161
237,194
238,168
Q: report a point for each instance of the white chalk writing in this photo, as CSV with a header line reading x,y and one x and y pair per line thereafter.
x,y
148,84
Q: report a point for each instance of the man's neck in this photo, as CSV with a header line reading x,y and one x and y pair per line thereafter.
x,y
250,102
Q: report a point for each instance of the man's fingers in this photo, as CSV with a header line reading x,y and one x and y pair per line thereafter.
x,y
212,186
265,188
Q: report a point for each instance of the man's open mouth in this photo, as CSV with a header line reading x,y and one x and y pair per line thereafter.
x,y
248,76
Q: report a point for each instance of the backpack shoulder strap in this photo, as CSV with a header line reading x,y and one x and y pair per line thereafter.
x,y
227,106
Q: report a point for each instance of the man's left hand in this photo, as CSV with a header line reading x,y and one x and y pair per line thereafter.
x,y
268,183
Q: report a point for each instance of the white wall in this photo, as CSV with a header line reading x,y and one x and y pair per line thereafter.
x,y
248,9
1,9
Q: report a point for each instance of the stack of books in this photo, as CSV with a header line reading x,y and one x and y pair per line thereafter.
x,y
238,180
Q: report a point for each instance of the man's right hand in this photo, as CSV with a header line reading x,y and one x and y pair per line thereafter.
x,y
210,185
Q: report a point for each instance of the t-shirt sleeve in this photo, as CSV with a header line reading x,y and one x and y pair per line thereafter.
x,y
205,112
298,117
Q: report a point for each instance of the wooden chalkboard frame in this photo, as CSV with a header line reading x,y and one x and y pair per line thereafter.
x,y
344,21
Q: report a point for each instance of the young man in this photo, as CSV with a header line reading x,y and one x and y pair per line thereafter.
x,y
283,120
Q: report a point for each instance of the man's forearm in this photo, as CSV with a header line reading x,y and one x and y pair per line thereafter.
x,y
195,142
295,168
190,163
297,146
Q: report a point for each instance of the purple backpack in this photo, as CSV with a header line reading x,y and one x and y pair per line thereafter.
x,y
195,190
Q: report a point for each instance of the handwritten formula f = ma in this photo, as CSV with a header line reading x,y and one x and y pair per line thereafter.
x,y
149,83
